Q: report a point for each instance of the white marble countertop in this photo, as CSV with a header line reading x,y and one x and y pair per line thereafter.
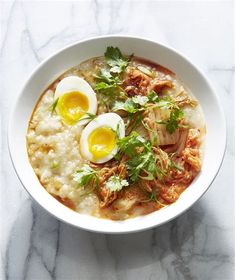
x,y
200,244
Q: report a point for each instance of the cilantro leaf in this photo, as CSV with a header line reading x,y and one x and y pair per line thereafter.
x,y
107,84
141,157
109,79
173,122
128,106
165,103
115,60
139,99
106,81
131,105
128,144
144,161
176,114
86,175
153,97
115,183
104,76
104,86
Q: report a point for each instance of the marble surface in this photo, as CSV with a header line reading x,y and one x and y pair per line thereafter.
x,y
199,244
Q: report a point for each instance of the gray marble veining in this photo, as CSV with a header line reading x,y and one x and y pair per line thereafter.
x,y
200,244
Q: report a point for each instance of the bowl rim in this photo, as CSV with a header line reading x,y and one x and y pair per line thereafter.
x,y
148,40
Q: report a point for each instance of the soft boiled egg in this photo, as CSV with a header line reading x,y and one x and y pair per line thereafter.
x,y
75,98
98,142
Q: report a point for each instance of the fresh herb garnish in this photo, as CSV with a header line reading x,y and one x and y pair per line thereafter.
x,y
115,60
105,76
89,116
145,161
106,81
128,106
153,197
128,144
115,183
153,97
140,100
173,122
86,175
109,79
141,157
54,104
131,105
176,114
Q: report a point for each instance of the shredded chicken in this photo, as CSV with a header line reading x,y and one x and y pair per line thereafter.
x,y
159,85
162,158
191,156
169,193
107,197
183,99
148,185
191,152
188,159
176,176
193,140
136,82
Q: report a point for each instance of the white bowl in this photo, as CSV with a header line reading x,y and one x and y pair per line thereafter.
x,y
72,55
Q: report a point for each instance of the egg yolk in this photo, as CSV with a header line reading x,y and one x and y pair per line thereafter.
x,y
72,106
101,142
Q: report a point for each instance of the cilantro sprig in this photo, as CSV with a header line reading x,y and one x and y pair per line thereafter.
x,y
115,183
153,197
106,81
176,115
85,176
141,157
140,103
131,105
116,60
109,79
134,107
173,123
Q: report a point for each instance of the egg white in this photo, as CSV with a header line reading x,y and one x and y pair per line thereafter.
x,y
75,83
111,120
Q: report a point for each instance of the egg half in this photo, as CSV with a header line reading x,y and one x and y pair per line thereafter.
x,y
98,142
75,98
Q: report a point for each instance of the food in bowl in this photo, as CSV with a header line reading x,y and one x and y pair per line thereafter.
x,y
116,137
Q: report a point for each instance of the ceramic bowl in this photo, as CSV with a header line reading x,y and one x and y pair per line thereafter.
x,y
72,55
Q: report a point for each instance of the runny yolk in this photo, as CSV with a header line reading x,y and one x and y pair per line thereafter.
x,y
101,142
72,106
